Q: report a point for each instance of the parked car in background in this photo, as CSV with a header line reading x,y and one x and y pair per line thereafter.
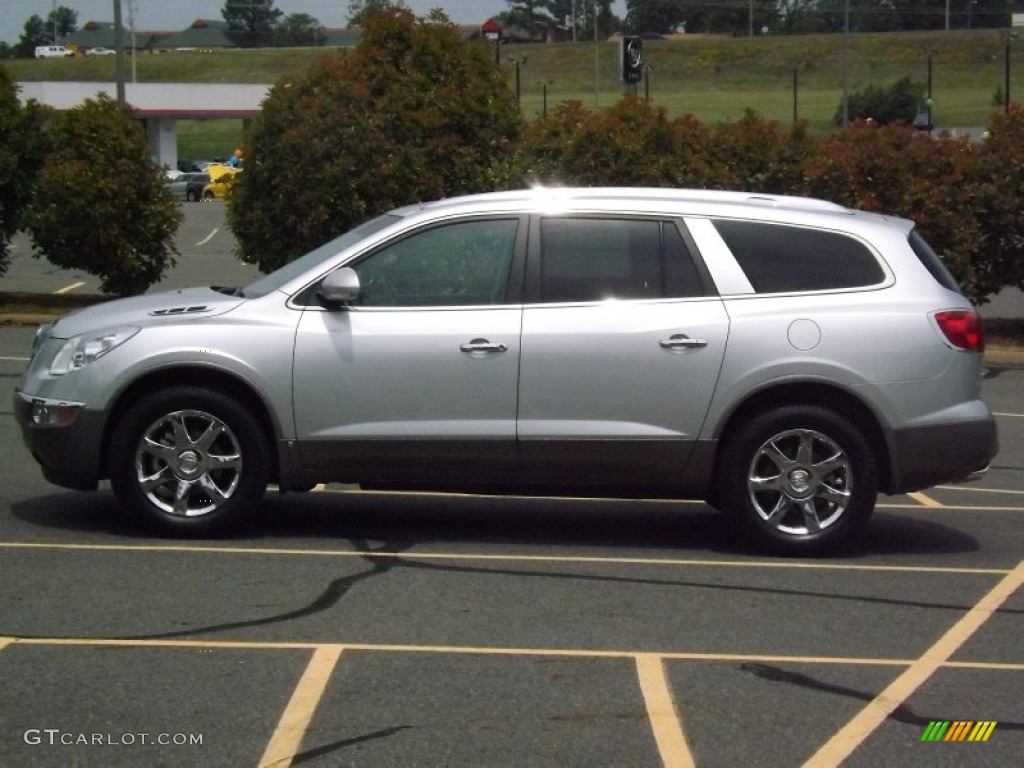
x,y
220,187
193,186
101,51
786,359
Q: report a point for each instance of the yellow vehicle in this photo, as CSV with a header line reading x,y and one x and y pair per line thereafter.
x,y
220,186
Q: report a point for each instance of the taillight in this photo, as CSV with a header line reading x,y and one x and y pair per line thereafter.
x,y
962,328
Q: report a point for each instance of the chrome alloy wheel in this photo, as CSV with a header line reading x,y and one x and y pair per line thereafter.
x,y
188,463
800,482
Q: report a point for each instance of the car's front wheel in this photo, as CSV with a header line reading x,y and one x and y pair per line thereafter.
x,y
189,460
801,479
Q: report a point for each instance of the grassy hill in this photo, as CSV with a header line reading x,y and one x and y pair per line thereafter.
x,y
714,78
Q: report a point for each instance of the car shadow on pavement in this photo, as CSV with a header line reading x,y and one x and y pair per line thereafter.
x,y
685,528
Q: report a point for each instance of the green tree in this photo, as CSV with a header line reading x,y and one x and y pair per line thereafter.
x,y
660,16
63,20
251,22
23,136
119,226
997,178
896,103
359,9
412,113
300,29
33,34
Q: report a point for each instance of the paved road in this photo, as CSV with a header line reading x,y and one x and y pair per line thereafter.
x,y
359,629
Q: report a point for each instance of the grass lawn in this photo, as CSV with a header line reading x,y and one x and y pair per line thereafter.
x,y
713,78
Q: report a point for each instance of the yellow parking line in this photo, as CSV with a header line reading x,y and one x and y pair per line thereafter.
x,y
1009,415
209,237
925,500
68,288
572,653
14,359
955,508
496,558
855,732
974,489
5,641
287,738
662,712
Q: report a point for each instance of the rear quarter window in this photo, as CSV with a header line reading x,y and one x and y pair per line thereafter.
x,y
933,262
779,258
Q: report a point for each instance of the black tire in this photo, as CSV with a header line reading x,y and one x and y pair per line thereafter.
x,y
191,196
208,196
189,461
801,480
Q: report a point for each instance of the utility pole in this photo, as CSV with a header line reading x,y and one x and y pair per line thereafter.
x,y
131,25
119,52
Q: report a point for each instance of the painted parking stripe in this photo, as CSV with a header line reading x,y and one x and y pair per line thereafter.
x,y
925,500
287,739
662,712
209,237
497,558
571,653
1008,415
68,288
973,489
14,359
855,732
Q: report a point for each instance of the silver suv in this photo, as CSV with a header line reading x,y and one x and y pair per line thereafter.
x,y
785,358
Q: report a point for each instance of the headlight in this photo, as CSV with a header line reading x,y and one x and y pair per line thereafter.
x,y
79,351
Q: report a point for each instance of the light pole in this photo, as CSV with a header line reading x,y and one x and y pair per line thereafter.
x,y
929,102
597,61
846,64
119,52
1008,36
518,62
796,71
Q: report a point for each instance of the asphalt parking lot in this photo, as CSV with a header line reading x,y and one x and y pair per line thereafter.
x,y
367,629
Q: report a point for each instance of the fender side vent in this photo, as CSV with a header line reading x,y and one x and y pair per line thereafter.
x,y
178,311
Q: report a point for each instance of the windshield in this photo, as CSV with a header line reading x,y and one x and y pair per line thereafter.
x,y
293,269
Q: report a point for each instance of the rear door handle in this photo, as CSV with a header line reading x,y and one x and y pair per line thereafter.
x,y
483,345
682,341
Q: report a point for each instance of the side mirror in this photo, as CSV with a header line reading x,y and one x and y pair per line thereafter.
x,y
340,287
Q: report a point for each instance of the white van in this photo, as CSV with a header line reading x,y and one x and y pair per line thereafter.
x,y
52,51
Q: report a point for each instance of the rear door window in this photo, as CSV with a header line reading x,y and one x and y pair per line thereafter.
x,y
779,258
588,259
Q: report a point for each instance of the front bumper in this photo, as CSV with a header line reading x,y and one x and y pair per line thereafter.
x,y
945,453
69,454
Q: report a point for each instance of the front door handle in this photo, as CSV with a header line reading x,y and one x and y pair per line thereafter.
x,y
682,341
483,345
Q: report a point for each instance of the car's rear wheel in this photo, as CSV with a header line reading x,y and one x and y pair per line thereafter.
x,y
208,196
188,460
801,479
191,196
